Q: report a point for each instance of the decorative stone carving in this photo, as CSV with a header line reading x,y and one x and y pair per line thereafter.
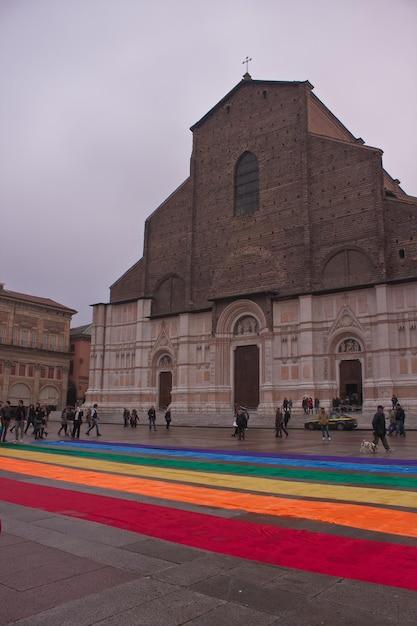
x,y
165,361
246,325
349,345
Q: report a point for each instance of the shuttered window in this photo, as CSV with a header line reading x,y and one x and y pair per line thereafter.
x,y
246,184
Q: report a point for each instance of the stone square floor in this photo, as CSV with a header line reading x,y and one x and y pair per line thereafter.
x,y
192,526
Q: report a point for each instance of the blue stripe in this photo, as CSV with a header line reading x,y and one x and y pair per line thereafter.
x,y
244,458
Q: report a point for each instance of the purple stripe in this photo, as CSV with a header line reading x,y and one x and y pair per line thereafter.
x,y
285,455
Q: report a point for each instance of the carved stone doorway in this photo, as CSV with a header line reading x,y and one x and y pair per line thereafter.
x,y
246,376
351,381
165,388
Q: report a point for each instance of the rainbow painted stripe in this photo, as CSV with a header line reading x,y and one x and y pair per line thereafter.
x,y
368,496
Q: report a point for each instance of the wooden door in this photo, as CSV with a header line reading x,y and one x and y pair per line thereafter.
x,y
165,388
246,376
351,380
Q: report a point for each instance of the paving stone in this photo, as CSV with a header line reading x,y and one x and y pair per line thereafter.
x,y
318,613
7,539
15,511
230,614
307,583
98,533
107,555
257,573
99,606
17,605
400,604
62,568
169,610
240,591
197,570
165,550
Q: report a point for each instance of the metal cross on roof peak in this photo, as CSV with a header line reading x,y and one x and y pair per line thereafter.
x,y
247,61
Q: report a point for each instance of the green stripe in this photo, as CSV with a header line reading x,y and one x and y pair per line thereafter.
x,y
316,476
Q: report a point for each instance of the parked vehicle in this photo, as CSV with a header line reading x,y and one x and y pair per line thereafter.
x,y
336,422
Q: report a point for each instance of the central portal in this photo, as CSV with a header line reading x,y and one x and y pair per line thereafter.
x,y
165,388
247,376
351,381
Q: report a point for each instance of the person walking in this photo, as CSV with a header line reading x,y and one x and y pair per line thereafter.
x,y
316,406
399,420
134,418
379,428
78,420
152,418
242,423
168,417
88,417
287,416
20,418
94,421
64,422
30,421
126,416
38,422
6,416
324,425
279,424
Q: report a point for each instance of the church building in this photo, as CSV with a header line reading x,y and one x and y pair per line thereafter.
x,y
285,265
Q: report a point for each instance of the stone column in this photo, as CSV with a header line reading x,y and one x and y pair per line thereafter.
x,y
64,386
36,383
381,345
6,380
305,345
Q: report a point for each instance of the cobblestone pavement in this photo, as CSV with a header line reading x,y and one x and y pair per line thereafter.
x,y
59,566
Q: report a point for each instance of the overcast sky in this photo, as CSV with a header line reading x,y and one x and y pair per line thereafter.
x,y
98,97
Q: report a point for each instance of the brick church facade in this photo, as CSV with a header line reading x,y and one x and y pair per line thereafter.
x,y
285,265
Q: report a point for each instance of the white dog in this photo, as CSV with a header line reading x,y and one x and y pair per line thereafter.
x,y
368,446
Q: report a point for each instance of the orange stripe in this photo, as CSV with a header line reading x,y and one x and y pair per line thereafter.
x,y
364,517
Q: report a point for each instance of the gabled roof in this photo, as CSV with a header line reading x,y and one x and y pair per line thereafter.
x,y
243,83
24,297
84,331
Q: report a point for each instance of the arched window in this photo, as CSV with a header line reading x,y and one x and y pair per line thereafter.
x,y
348,267
169,296
246,184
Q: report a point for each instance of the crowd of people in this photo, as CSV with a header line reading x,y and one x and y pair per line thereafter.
x,y
18,419
131,418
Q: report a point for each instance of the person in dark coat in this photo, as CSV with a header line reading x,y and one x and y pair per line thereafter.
x,y
379,428
399,420
78,420
242,423
168,417
6,416
279,424
152,418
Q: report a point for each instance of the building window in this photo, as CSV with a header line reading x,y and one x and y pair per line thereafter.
x,y
71,367
43,372
246,184
13,369
59,373
22,370
30,371
24,337
50,372
1,367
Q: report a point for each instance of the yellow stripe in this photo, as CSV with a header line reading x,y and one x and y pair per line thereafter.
x,y
364,495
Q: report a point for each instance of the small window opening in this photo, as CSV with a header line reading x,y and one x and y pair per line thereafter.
x,y
401,253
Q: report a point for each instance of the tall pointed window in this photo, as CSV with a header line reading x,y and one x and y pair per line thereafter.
x,y
246,184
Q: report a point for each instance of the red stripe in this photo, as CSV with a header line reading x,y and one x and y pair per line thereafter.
x,y
372,561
